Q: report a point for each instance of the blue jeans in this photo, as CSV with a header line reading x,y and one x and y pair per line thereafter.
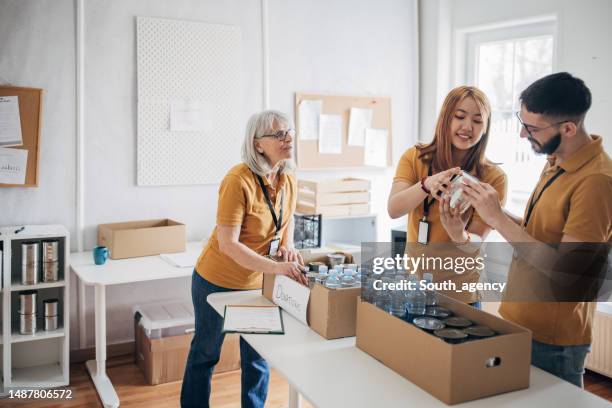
x,y
566,362
206,349
476,304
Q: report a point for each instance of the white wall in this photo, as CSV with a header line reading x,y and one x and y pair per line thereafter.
x,y
353,47
584,48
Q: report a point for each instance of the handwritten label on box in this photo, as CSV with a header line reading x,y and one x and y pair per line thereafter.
x,y
291,296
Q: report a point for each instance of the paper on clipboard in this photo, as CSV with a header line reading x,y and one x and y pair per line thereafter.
x,y
253,319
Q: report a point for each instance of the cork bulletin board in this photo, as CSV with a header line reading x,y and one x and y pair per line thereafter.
x,y
30,110
352,157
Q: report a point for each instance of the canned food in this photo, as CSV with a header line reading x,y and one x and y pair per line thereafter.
x,y
29,274
479,332
29,253
457,184
27,323
51,323
452,336
50,251
428,323
27,302
335,258
457,322
50,307
439,312
50,272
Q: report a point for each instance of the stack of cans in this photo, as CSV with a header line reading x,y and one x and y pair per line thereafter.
x,y
51,314
50,265
29,263
27,312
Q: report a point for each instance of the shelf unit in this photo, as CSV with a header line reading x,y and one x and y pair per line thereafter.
x,y
40,360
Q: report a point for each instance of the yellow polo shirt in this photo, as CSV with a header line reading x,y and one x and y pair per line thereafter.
x,y
242,202
579,204
411,169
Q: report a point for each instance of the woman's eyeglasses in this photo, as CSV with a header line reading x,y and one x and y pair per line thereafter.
x,y
282,135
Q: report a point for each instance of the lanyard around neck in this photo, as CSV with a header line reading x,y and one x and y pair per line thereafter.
x,y
278,222
533,202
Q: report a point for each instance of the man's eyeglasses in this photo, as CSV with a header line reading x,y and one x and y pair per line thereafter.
x,y
536,129
282,135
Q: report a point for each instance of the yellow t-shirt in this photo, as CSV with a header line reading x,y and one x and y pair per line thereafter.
x,y
411,169
242,202
579,204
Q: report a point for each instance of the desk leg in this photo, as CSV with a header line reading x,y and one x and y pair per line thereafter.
x,y
97,367
294,398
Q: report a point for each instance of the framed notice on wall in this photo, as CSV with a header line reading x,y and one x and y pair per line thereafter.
x,y
20,122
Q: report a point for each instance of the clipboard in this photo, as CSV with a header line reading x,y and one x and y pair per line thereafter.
x,y
252,329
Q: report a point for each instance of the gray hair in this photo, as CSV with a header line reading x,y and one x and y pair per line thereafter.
x,y
259,124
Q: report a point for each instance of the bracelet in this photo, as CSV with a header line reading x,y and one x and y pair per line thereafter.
x,y
425,189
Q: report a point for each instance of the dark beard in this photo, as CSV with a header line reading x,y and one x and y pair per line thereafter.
x,y
549,147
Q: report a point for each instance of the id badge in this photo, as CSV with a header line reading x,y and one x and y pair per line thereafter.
x,y
423,237
274,244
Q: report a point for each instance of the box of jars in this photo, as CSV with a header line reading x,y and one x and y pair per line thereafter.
x,y
334,284
455,352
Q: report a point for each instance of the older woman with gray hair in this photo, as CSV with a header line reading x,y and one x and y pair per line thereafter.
x,y
257,199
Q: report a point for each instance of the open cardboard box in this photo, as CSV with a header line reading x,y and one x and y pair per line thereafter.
x,y
453,373
142,238
330,312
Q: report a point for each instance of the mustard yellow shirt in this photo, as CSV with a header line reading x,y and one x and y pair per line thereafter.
x,y
411,169
579,204
242,202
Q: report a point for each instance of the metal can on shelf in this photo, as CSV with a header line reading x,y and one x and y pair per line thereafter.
x,y
27,302
27,323
29,253
29,274
50,251
50,307
50,271
51,323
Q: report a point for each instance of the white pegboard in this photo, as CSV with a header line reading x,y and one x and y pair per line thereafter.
x,y
187,60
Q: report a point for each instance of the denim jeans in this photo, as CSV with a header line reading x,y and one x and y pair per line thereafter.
x,y
206,349
566,362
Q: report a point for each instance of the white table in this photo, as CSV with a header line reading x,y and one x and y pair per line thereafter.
x,y
114,272
334,373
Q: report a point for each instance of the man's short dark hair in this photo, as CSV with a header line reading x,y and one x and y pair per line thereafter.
x,y
559,95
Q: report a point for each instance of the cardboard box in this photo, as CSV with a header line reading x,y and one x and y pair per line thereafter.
x,y
330,312
163,360
142,238
453,373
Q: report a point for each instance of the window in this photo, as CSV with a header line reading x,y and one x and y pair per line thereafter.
x,y
502,62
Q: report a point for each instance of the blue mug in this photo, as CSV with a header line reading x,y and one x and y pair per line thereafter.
x,y
100,255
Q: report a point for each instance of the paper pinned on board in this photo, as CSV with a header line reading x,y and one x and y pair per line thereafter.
x,y
330,134
190,115
13,165
360,119
10,122
375,150
309,112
